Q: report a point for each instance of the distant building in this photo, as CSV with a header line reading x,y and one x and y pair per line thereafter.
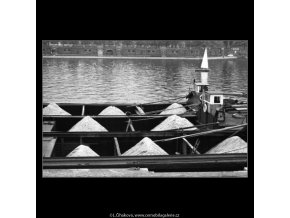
x,y
135,48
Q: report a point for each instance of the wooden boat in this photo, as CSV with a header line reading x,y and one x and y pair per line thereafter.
x,y
58,142
216,106
211,116
151,109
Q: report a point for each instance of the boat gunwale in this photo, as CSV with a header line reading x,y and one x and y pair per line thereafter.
x,y
110,104
202,162
119,116
166,133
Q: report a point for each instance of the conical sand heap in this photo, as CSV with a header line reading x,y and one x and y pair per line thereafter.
x,y
88,124
175,108
231,145
174,122
111,110
82,151
54,109
145,147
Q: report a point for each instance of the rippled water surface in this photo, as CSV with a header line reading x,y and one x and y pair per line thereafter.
x,y
134,81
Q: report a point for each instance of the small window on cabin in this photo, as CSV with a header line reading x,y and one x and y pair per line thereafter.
x,y
216,99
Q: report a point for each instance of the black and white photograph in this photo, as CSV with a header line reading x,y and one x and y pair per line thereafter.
x,y
135,110
145,108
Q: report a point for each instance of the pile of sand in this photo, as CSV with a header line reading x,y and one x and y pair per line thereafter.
x,y
112,110
231,145
88,124
175,108
54,109
174,122
145,147
82,151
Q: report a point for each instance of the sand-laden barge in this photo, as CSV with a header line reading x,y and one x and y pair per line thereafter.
x,y
126,131
208,132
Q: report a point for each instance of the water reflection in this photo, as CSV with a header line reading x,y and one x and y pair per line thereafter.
x,y
134,81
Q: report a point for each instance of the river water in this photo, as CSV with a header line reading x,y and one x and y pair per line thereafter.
x,y
135,80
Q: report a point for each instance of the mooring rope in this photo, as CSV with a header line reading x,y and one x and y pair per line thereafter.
x,y
201,125
201,133
151,118
229,137
157,111
168,99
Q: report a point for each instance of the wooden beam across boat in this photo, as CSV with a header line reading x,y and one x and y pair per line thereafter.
x,y
112,104
212,162
78,109
118,116
131,134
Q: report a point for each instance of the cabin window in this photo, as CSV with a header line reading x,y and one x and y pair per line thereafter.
x,y
217,99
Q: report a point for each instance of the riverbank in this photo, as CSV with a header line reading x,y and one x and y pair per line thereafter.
x,y
158,58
